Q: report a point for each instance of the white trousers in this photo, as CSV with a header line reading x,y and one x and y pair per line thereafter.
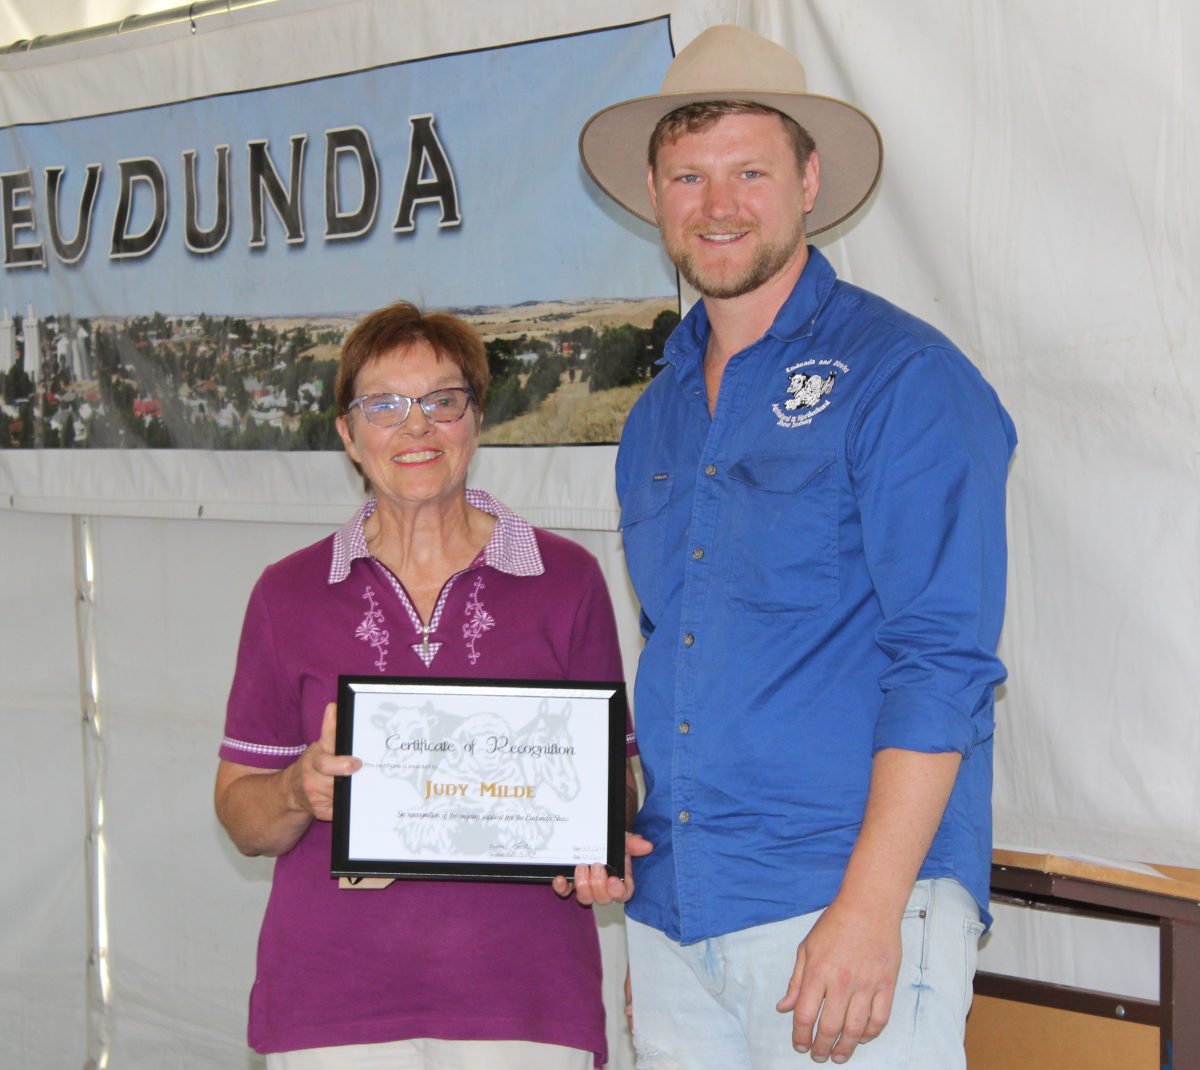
x,y
430,1054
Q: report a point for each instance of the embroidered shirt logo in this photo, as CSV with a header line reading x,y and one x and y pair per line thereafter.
x,y
809,385
479,620
371,630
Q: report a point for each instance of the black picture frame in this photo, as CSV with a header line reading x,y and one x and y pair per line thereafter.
x,y
428,726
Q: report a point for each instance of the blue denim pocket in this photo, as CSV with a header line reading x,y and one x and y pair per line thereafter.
x,y
780,533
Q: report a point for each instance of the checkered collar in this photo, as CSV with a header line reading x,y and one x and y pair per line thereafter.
x,y
512,548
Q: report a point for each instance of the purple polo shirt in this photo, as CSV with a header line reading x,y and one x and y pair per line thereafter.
x,y
461,961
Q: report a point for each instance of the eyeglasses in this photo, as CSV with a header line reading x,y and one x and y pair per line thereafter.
x,y
391,410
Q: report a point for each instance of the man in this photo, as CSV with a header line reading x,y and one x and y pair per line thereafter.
x,y
812,502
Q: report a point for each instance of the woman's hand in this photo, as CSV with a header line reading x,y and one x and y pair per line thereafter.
x,y
310,777
266,811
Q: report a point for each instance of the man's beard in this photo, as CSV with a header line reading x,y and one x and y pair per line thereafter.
x,y
768,261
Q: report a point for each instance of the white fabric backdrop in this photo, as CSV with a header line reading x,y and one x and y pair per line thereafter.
x,y
1036,205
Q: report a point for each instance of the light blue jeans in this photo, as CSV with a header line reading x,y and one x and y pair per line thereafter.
x,y
712,1004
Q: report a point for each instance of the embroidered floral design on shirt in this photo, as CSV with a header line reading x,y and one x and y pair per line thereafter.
x,y
371,630
480,620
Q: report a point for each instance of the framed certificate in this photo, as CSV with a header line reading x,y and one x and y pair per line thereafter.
x,y
510,780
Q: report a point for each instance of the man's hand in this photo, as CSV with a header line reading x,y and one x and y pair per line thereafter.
x,y
595,885
628,1000
843,983
846,968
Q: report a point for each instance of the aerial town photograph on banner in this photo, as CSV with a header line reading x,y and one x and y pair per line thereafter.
x,y
561,372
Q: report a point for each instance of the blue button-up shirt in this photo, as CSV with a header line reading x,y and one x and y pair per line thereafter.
x,y
821,569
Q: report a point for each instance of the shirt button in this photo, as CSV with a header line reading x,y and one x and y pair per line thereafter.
x,y
685,816
710,469
698,553
684,728
689,639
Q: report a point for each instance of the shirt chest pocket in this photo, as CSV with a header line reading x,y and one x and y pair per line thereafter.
x,y
643,513
780,521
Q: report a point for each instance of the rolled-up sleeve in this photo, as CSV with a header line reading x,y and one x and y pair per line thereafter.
x,y
928,455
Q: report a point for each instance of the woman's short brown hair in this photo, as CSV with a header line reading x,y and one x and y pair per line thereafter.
x,y
403,324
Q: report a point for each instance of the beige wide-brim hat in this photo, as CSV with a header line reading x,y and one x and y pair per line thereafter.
x,y
730,63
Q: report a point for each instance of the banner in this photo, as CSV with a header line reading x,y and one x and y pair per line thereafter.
x,y
183,275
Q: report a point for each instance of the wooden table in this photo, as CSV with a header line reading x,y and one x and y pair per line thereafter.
x,y
1169,898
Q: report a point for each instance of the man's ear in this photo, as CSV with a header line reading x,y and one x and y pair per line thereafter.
x,y
810,179
653,192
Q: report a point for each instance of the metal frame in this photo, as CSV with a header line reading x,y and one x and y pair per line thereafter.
x,y
183,13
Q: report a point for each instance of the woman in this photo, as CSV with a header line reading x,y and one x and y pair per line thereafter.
x,y
427,578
